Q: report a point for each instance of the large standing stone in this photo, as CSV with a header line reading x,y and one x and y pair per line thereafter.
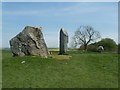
x,y
29,42
63,42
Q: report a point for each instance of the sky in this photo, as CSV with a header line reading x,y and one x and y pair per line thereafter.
x,y
52,16
60,0
0,25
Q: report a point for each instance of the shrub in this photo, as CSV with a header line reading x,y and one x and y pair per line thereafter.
x,y
92,48
108,44
119,48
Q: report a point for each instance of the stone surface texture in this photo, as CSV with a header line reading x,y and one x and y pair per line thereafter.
x,y
63,42
29,42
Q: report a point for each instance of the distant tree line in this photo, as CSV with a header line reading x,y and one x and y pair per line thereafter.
x,y
119,48
108,44
85,39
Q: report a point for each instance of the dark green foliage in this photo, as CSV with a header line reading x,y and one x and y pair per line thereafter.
x,y
108,44
119,48
92,48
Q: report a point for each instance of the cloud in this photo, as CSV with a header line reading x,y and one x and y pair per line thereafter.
x,y
67,16
0,41
20,12
24,12
75,9
112,35
51,38
88,8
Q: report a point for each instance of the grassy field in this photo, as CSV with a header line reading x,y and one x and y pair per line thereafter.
x,y
0,69
77,70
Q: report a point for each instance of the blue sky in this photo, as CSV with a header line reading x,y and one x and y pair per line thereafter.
x,y
0,25
53,16
60,0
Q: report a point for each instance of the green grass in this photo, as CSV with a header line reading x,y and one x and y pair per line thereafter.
x,y
53,49
81,70
0,69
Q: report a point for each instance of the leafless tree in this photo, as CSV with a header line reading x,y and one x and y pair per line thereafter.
x,y
85,35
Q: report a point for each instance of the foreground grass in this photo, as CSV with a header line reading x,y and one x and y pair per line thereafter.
x,y
85,70
0,69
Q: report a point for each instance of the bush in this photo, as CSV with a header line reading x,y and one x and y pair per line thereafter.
x,y
108,44
92,48
119,48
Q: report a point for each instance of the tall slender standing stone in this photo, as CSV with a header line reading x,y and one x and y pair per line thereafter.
x,y
63,42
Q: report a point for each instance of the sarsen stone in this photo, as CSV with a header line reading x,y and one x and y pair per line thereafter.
x,y
29,42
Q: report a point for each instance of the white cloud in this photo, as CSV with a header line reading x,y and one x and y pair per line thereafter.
x,y
52,38
88,8
78,8
111,35
24,12
20,12
0,42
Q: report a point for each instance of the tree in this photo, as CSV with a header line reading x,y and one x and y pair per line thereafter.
x,y
108,44
119,48
84,36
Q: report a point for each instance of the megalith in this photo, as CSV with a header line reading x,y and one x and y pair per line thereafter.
x,y
63,42
29,42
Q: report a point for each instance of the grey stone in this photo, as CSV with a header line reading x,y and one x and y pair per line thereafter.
x,y
29,42
63,42
100,49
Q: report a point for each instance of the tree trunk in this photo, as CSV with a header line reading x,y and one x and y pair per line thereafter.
x,y
85,47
